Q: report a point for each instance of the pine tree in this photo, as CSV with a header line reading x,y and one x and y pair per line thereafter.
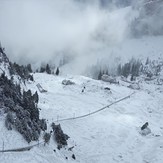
x,y
119,70
126,70
147,61
36,97
1,49
47,137
48,69
42,69
31,77
57,71
9,120
29,68
59,136
11,69
99,75
132,78
43,124
107,72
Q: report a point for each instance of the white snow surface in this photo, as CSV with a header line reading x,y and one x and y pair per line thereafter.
x,y
110,136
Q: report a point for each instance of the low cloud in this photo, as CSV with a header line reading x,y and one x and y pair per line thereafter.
x,y
40,30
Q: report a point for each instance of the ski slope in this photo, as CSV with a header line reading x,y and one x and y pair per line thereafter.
x,y
111,135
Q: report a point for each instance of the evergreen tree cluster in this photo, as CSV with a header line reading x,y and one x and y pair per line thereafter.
x,y
133,68
152,67
29,103
47,137
46,69
59,136
21,110
22,71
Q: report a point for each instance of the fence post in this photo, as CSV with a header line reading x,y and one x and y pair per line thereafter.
x,y
57,118
3,146
74,115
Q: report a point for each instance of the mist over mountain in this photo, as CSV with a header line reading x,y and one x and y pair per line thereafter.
x,y
149,21
83,31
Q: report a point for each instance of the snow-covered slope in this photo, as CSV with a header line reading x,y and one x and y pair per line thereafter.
x,y
111,135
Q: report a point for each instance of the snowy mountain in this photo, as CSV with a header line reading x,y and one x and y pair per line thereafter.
x,y
55,114
112,134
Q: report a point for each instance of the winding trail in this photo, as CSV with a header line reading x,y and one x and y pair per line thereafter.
x,y
96,111
66,119
21,149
